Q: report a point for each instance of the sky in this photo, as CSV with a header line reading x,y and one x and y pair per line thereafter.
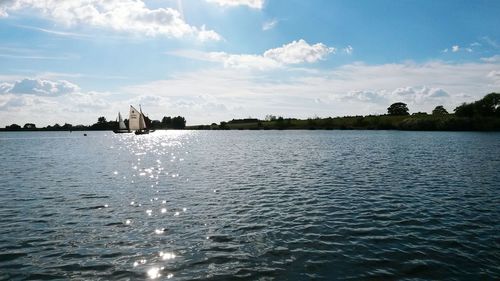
x,y
215,60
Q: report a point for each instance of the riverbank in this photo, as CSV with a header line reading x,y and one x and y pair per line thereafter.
x,y
417,122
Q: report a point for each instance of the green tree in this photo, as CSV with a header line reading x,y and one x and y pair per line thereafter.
x,y
223,126
101,120
398,109
178,122
29,126
439,110
13,127
489,105
166,122
67,126
270,117
465,110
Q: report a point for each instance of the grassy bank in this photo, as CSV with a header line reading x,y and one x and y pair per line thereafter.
x,y
448,122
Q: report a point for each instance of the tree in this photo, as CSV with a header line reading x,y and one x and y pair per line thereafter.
x,y
29,126
67,126
156,124
178,122
13,127
487,106
398,109
223,126
464,110
439,110
166,122
147,121
101,120
270,117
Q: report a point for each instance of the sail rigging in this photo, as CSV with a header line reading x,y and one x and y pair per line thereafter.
x,y
121,124
137,121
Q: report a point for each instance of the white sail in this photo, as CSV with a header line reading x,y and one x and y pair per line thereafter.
x,y
134,119
121,124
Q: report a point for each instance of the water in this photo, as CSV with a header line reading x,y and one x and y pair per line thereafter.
x,y
284,205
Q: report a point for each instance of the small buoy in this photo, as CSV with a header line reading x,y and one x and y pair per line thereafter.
x,y
84,135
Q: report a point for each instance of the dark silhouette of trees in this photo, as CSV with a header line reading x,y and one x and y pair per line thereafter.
x,y
242,121
419,114
439,110
489,106
398,109
465,110
178,122
223,126
102,124
29,126
155,124
13,127
67,126
166,122
270,117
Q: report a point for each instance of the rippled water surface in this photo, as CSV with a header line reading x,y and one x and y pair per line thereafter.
x,y
284,205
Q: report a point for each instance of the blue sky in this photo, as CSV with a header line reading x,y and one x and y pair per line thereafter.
x,y
214,60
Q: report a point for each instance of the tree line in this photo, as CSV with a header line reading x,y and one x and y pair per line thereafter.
x,y
102,124
481,115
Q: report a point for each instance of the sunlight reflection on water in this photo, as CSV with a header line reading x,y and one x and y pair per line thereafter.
x,y
250,205
154,146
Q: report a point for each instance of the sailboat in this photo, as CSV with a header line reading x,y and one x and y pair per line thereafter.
x,y
121,126
136,121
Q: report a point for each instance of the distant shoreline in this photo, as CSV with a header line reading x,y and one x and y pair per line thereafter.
x,y
373,122
481,115
416,122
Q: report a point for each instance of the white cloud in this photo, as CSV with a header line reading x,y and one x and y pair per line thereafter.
x,y
348,50
347,90
255,4
492,59
296,52
494,74
244,61
208,35
119,15
410,94
40,87
459,49
299,52
269,24
220,94
29,100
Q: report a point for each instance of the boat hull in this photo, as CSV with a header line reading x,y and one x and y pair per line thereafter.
x,y
121,131
141,132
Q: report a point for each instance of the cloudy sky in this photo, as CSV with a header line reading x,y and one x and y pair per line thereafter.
x,y
213,60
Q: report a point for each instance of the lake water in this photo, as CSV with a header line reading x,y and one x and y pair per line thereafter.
x,y
231,205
